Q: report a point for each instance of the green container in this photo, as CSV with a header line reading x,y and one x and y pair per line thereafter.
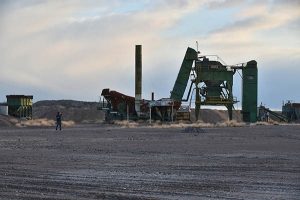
x,y
20,106
249,94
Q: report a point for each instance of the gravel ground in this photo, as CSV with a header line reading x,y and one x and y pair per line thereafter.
x,y
90,162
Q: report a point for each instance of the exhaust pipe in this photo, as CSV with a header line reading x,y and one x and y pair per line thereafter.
x,y
138,79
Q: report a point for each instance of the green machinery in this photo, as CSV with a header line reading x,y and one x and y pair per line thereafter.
x,y
291,111
249,92
213,83
20,106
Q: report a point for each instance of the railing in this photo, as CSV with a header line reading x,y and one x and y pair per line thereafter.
x,y
103,105
265,112
219,100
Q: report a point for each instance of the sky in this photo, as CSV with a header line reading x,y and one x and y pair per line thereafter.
x,y
72,49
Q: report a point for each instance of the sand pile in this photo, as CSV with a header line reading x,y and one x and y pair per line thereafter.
x,y
6,121
86,112
77,111
216,116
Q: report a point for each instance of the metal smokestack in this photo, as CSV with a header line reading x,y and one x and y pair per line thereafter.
x,y
138,78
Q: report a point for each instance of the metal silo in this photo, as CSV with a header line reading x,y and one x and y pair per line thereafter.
x,y
249,94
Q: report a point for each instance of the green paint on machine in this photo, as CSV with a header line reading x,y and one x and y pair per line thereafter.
x,y
20,106
212,84
249,94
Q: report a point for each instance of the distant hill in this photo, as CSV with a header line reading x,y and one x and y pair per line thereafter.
x,y
77,111
86,112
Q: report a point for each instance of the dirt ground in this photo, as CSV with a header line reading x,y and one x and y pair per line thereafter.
x,y
101,162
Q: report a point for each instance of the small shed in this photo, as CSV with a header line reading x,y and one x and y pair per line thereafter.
x,y
3,109
20,106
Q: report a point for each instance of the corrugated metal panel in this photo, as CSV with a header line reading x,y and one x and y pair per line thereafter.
x,y
3,110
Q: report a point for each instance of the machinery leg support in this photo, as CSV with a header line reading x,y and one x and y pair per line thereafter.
x,y
229,108
197,104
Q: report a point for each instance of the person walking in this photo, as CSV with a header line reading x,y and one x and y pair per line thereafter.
x,y
58,121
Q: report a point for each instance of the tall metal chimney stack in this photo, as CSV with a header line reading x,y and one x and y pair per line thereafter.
x,y
138,78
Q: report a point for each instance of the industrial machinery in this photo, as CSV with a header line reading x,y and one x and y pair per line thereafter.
x,y
120,106
20,106
291,111
210,83
213,83
265,114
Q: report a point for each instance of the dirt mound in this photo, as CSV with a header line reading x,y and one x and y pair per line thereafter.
x,y
7,121
77,111
216,116
86,112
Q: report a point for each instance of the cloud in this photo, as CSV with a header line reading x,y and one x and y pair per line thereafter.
x,y
290,3
221,4
261,29
70,45
260,17
74,49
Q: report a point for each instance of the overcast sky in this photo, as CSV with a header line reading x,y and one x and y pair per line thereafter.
x,y
63,49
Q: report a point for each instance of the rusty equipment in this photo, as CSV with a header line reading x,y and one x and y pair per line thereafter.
x,y
119,106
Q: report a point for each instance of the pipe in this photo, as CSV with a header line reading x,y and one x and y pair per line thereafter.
x,y
138,79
